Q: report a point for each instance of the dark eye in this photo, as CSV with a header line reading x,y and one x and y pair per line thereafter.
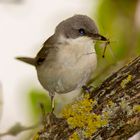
x,y
82,32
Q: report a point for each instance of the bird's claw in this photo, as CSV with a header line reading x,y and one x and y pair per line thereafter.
x,y
87,89
48,119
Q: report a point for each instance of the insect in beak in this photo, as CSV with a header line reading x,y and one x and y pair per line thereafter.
x,y
107,42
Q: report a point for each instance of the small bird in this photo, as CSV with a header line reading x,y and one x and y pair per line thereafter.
x,y
67,59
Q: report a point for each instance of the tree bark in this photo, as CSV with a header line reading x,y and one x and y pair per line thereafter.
x,y
119,96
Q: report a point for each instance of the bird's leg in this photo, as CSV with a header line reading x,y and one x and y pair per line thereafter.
x,y
51,116
48,120
44,121
87,89
52,103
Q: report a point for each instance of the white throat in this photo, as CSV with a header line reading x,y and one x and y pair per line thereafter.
x,y
79,46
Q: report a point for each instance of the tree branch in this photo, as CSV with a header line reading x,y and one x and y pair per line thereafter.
x,y
115,110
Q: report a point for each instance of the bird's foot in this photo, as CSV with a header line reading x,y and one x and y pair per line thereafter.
x,y
87,89
49,122
48,119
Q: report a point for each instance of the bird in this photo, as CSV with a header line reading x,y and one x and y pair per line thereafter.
x,y
68,58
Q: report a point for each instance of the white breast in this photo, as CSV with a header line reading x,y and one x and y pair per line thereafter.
x,y
76,61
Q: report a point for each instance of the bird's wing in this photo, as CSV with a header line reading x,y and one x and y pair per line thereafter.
x,y
45,50
39,59
42,54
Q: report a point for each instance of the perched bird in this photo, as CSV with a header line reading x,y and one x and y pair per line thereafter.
x,y
68,58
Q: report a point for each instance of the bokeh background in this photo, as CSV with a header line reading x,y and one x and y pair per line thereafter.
x,y
26,24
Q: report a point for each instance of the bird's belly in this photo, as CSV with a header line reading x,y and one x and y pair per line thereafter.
x,y
77,75
65,77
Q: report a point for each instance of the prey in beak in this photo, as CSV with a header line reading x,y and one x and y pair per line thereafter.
x,y
101,38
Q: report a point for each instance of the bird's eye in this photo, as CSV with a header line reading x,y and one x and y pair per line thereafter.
x,y
82,32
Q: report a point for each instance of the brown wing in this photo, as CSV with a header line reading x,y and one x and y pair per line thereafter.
x,y
43,53
41,56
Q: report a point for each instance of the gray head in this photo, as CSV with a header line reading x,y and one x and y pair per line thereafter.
x,y
77,26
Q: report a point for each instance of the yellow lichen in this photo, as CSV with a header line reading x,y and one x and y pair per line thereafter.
x,y
126,81
80,115
136,108
110,103
74,136
106,115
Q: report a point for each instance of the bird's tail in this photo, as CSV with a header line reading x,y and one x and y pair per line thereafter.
x,y
28,60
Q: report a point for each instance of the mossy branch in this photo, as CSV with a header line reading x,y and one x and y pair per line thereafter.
x,y
110,112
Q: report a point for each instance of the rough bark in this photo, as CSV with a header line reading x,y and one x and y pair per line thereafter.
x,y
122,89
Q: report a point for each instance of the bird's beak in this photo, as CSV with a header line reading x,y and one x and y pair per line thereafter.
x,y
98,37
